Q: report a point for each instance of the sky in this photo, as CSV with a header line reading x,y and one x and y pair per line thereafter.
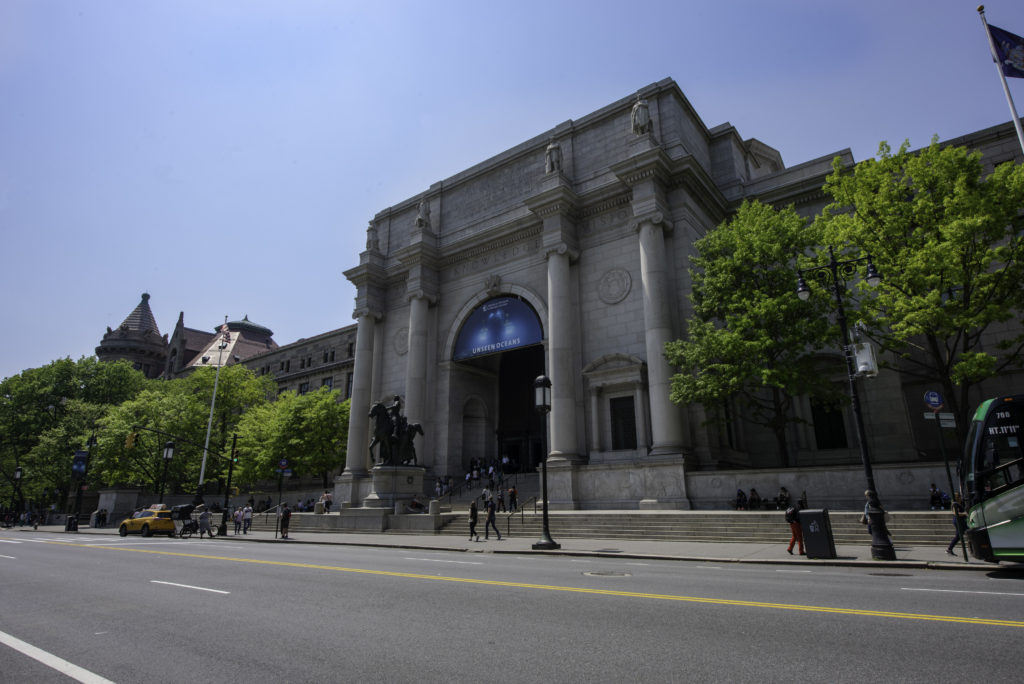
x,y
226,157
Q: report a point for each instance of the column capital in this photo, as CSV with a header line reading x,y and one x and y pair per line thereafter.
x,y
431,297
655,218
366,312
561,249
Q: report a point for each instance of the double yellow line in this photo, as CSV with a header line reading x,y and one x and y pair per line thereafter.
x,y
580,590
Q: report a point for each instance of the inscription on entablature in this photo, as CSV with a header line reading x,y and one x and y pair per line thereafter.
x,y
492,258
606,221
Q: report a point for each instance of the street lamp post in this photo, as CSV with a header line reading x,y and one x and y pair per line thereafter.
x,y
16,498
225,338
833,276
222,531
542,402
168,455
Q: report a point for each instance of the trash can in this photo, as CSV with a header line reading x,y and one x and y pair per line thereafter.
x,y
318,508
818,541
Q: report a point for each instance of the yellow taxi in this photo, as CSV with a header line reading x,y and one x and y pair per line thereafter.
x,y
153,520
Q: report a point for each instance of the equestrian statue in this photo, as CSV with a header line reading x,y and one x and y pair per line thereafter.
x,y
393,435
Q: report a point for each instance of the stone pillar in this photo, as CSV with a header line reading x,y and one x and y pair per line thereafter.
x,y
357,463
666,420
561,318
595,418
416,361
641,418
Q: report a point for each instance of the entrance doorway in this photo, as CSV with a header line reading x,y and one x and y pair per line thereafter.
x,y
520,429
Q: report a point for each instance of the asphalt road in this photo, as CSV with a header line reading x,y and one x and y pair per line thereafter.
x,y
160,610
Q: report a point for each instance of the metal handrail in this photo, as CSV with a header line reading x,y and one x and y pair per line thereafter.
x,y
266,513
522,514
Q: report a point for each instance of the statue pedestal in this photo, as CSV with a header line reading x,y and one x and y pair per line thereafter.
x,y
394,484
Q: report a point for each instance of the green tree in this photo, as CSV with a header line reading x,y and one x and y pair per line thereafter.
x,y
48,413
178,411
750,339
948,241
309,430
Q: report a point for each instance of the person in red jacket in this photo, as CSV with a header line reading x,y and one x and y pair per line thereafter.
x,y
793,518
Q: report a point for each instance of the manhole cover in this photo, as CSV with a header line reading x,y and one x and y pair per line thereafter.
x,y
607,573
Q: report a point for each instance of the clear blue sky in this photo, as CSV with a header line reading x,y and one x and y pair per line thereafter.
x,y
226,156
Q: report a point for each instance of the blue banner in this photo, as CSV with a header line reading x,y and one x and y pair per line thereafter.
x,y
498,325
79,464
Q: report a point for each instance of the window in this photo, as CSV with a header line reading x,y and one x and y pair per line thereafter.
x,y
350,350
829,427
348,385
623,423
327,382
287,365
325,357
303,387
302,363
332,356
281,367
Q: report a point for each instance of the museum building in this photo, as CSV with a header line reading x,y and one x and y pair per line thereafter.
x,y
568,256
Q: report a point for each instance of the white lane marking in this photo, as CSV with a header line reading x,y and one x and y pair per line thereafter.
x,y
440,560
793,571
11,557
963,591
9,541
189,586
637,563
59,664
580,561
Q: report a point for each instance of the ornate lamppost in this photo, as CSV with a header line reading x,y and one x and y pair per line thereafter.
x,y
168,455
833,276
542,402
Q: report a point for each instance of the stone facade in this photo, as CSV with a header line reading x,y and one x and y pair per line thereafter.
x,y
589,228
308,364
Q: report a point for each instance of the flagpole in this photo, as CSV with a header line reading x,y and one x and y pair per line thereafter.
x,y
1002,78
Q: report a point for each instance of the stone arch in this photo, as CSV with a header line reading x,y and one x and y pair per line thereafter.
x,y
531,297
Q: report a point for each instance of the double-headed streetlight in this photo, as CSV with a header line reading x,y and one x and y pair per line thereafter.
x,y
833,276
168,455
542,402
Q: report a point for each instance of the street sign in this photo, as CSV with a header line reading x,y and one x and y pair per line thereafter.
x,y
283,464
946,420
933,400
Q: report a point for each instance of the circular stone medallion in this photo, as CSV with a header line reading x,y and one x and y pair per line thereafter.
x,y
614,286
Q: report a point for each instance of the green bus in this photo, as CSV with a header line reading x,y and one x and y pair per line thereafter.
x,y
992,480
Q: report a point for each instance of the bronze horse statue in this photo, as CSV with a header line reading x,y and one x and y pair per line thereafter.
x,y
383,432
392,436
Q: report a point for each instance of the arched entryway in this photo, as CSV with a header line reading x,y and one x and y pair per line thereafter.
x,y
497,354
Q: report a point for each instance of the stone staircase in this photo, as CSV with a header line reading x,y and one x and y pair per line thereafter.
x,y
910,528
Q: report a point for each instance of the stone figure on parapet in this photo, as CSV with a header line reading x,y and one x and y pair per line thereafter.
x,y
372,243
553,157
640,117
423,217
393,435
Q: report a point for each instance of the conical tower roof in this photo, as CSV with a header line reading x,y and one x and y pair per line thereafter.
x,y
141,318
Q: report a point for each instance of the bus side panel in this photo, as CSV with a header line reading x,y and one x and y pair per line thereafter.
x,y
1005,524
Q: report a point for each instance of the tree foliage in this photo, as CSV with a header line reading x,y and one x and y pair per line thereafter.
x,y
750,338
48,413
948,241
309,430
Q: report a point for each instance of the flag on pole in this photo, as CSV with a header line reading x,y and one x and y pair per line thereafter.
x,y
1009,51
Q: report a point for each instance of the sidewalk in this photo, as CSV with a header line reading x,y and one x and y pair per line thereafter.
x,y
934,557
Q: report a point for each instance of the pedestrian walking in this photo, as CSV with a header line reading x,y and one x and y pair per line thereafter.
x,y
959,521
491,520
286,518
246,519
238,520
797,532
472,520
204,523
513,499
